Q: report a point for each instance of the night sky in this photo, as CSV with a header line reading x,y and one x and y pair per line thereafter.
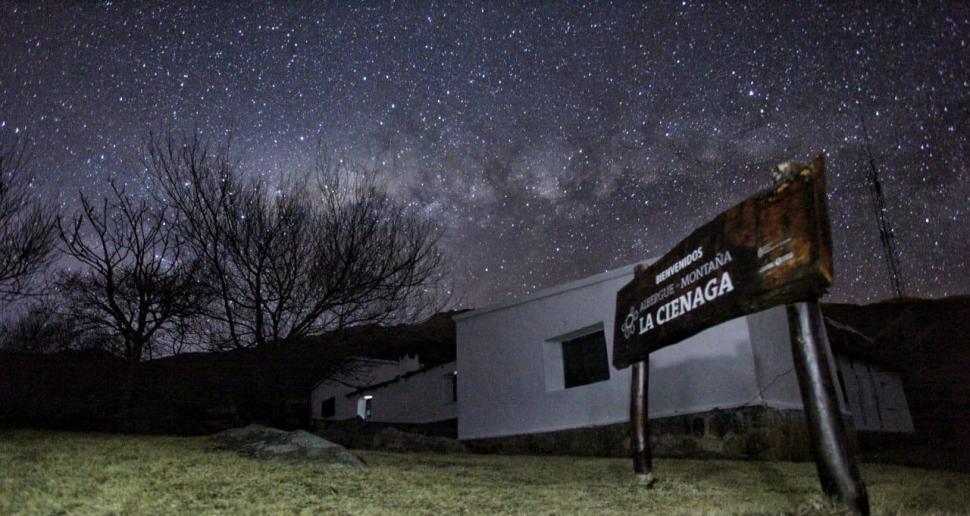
x,y
550,142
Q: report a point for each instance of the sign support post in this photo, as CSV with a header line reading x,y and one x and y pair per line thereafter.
x,y
640,427
838,471
639,419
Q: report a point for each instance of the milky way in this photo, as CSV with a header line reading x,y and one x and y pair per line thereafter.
x,y
550,142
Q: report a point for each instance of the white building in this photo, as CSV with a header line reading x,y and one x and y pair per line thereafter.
x,y
543,364
388,392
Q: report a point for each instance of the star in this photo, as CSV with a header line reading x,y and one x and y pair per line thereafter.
x,y
549,141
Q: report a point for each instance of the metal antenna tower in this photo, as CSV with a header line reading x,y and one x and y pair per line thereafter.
x,y
878,202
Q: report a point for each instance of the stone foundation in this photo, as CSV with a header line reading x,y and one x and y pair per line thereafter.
x,y
754,433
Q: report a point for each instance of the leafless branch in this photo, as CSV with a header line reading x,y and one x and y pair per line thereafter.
x,y
27,228
137,277
315,254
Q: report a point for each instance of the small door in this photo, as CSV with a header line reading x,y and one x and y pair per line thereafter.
x,y
365,407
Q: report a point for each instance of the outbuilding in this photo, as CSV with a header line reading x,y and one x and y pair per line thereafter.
x,y
388,391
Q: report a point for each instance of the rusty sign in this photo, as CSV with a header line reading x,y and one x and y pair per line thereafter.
x,y
773,248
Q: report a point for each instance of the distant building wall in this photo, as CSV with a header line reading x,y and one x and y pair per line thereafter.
x,y
360,373
388,392
875,396
425,396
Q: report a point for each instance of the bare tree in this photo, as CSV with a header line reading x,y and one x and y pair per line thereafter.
x,y
38,328
137,279
44,326
298,260
27,228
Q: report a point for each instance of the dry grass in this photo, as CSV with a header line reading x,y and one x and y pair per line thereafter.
x,y
50,472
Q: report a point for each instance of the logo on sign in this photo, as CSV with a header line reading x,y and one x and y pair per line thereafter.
x,y
630,323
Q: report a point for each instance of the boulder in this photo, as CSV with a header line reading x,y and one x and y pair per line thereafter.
x,y
392,439
270,443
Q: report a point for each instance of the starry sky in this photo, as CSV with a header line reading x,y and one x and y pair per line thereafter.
x,y
550,141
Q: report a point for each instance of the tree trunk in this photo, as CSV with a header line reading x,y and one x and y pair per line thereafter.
x,y
277,391
130,387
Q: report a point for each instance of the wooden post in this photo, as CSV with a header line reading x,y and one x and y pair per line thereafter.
x,y
837,468
639,419
640,423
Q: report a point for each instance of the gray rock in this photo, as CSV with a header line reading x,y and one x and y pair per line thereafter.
x,y
392,439
270,443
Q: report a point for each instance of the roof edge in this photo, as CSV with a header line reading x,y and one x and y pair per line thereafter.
x,y
551,291
398,378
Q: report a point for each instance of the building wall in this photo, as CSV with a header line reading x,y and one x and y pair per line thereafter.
x,y
508,365
422,397
343,408
774,366
754,432
361,373
876,397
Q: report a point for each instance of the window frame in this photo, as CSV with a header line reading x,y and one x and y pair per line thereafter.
x,y
577,367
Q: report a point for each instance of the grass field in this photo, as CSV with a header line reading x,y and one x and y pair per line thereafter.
x,y
50,472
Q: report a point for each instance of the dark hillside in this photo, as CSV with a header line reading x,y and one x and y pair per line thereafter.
x,y
196,393
432,340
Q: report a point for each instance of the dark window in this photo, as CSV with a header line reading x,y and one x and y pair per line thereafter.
x,y
328,407
584,360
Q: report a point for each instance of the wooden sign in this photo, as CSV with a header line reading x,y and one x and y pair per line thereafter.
x,y
774,248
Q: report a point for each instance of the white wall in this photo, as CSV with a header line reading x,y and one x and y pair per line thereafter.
x,y
361,373
416,397
506,384
773,363
422,397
